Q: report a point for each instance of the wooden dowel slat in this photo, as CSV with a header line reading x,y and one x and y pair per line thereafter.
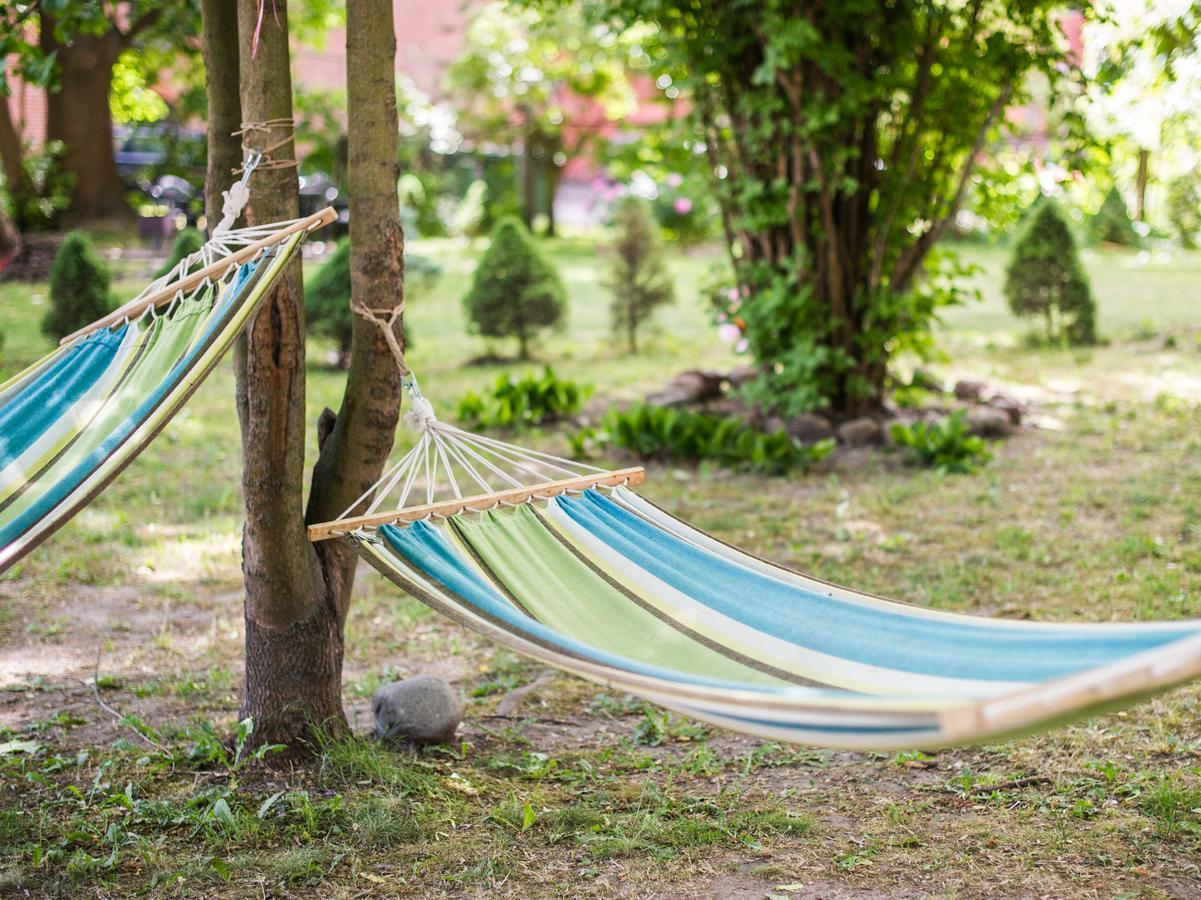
x,y
326,530
215,270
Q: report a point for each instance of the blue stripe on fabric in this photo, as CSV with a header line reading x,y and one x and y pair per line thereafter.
x,y
847,630
58,492
426,549
54,392
814,727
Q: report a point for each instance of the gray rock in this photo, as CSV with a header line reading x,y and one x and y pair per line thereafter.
x,y
423,709
989,422
740,375
1009,405
969,390
809,428
861,432
695,386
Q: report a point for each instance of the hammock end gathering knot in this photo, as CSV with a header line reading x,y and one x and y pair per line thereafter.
x,y
420,416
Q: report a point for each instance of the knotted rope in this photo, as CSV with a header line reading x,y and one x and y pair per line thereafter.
x,y
253,131
238,194
420,416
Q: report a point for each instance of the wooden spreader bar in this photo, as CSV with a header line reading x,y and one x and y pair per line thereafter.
x,y
214,270
326,530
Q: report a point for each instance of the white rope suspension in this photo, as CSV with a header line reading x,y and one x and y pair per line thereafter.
x,y
446,460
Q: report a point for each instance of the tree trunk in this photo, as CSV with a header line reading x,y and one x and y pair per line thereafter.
x,y
297,596
551,180
529,188
12,155
219,21
78,114
353,456
1144,160
293,635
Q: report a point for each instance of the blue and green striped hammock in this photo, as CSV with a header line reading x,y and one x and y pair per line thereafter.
x,y
582,573
72,421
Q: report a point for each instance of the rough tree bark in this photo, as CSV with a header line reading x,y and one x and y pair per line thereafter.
x,y
297,596
219,30
78,114
12,154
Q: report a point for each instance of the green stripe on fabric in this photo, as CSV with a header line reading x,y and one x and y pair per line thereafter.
x,y
34,466
167,340
565,594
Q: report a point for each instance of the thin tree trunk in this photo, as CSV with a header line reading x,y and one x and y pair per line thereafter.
x,y
293,634
1144,161
219,20
78,114
529,192
12,155
354,454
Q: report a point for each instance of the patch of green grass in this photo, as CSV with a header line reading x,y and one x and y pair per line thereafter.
x,y
1175,808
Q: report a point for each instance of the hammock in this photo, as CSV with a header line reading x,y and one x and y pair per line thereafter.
x,y
71,422
566,564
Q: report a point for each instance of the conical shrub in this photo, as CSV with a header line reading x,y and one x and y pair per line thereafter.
x,y
1045,279
79,287
515,292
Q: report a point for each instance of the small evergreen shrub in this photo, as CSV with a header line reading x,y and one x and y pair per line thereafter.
x,y
327,295
680,435
1044,278
1112,224
1184,209
185,244
79,287
515,292
638,275
519,402
945,446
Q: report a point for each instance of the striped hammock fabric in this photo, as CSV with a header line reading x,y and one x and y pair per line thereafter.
x,y
70,423
584,574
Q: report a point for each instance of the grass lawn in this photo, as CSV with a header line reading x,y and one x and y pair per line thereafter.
x,y
560,789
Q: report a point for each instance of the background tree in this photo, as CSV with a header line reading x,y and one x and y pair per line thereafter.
x,y
539,82
844,139
1184,209
298,594
187,242
1111,224
327,309
1044,278
515,292
79,45
79,287
638,276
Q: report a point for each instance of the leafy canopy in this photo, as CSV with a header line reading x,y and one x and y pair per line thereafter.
x,y
843,138
524,72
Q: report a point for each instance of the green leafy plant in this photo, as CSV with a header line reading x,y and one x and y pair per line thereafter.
x,y
680,435
638,275
327,295
1112,224
185,244
521,402
43,193
1184,209
842,141
79,287
945,446
1044,278
515,292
